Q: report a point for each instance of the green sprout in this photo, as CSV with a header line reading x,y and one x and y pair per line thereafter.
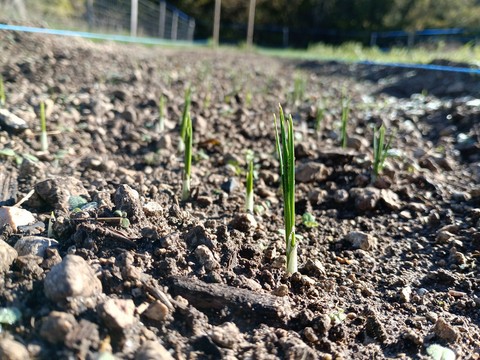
x,y
187,140
248,99
185,114
286,154
345,111
161,114
309,220
18,157
43,128
380,150
338,316
2,92
123,219
319,116
298,88
249,183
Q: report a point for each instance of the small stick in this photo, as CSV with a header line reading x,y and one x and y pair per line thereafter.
x,y
25,198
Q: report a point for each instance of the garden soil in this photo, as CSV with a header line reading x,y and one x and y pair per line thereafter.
x,y
101,259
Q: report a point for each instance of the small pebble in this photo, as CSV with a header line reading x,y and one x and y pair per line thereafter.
x,y
281,290
13,350
157,311
117,314
445,331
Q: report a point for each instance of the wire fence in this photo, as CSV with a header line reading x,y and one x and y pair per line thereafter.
x,y
143,18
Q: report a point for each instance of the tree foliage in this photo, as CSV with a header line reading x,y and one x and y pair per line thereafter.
x,y
343,14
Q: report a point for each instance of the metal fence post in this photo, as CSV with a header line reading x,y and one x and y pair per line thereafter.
x,y
161,19
90,15
174,25
285,36
191,29
216,22
373,39
134,18
411,39
251,23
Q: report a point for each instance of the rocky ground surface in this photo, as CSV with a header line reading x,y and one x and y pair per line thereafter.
x,y
388,268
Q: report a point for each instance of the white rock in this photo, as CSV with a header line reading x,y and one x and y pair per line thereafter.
x,y
15,217
153,350
117,313
12,121
7,255
13,350
311,171
361,240
152,208
226,335
34,245
73,277
157,311
206,258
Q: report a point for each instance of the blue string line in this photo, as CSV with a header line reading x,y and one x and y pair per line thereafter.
x,y
154,41
423,67
89,35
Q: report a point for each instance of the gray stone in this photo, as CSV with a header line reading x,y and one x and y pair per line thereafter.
x,y
444,237
199,124
128,200
206,258
73,277
13,350
11,121
361,240
57,191
34,245
15,217
445,331
164,142
7,256
157,311
117,314
226,335
390,199
130,115
406,294
311,171
357,142
56,326
244,222
153,350
365,198
152,208
230,185
340,196
295,348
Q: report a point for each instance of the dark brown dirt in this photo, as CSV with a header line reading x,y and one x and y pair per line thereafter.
x,y
392,267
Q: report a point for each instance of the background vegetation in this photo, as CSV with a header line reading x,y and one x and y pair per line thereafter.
x,y
307,21
341,15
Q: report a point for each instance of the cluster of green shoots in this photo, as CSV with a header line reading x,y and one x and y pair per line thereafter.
x,y
43,128
299,84
2,92
286,153
380,150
